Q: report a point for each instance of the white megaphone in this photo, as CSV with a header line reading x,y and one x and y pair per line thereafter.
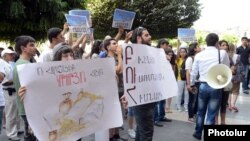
x,y
219,76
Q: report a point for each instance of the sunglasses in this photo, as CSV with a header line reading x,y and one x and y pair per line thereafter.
x,y
139,31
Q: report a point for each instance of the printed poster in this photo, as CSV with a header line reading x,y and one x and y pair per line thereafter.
x,y
77,24
186,34
147,75
76,20
76,35
123,18
82,13
69,100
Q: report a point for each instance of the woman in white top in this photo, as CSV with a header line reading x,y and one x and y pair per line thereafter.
x,y
193,93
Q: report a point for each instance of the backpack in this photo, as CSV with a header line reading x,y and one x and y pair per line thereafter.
x,y
238,76
183,71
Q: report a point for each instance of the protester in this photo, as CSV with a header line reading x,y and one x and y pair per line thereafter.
x,y
115,51
144,114
223,45
244,52
11,114
238,77
193,91
55,36
181,80
208,98
159,113
2,101
61,52
25,46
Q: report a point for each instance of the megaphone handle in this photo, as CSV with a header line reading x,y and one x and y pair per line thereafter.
x,y
219,55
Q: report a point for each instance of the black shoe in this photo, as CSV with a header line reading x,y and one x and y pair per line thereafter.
x,y
158,124
197,136
245,92
20,132
166,120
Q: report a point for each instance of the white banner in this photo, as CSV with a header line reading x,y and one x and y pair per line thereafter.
x,y
69,100
148,76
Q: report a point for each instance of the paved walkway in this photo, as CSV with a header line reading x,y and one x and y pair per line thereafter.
x,y
180,129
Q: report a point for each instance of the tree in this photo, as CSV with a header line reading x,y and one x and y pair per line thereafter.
x,y
231,39
102,15
160,17
33,17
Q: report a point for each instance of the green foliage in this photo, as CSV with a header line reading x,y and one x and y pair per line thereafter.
x,y
102,15
231,39
33,17
160,17
201,37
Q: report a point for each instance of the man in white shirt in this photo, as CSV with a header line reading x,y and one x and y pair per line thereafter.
x,y
208,98
11,116
2,101
55,36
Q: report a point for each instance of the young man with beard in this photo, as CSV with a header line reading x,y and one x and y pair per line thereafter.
x,y
144,114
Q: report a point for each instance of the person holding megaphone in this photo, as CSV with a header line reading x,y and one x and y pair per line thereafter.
x,y
209,98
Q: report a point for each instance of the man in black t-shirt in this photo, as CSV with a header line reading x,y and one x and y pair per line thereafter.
x,y
244,51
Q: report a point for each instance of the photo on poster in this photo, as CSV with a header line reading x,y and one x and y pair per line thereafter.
x,y
186,34
123,18
80,12
75,20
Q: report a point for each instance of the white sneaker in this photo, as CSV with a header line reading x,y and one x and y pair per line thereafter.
x,y
186,109
14,139
179,109
131,133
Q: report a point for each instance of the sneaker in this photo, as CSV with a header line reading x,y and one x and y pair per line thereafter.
x,y
158,124
245,92
191,119
165,120
197,136
186,109
14,139
179,109
131,133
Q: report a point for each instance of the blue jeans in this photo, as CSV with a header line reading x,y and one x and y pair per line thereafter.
x,y
1,117
246,78
131,112
159,112
208,102
144,117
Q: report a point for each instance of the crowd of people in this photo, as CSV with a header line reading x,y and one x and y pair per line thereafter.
x,y
189,64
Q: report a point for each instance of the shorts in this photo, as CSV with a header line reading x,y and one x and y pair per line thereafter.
x,y
130,111
236,88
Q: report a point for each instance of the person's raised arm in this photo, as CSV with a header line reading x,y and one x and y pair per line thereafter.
x,y
65,28
88,55
178,50
82,39
119,65
128,36
119,34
